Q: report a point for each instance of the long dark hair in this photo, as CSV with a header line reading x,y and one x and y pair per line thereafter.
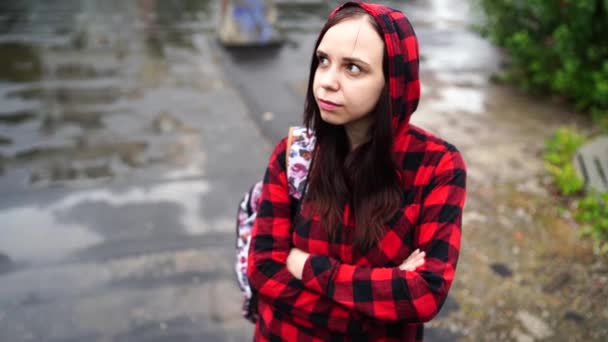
x,y
365,177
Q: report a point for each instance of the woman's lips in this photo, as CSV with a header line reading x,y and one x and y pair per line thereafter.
x,y
328,105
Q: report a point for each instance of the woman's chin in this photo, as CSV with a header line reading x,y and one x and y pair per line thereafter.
x,y
331,118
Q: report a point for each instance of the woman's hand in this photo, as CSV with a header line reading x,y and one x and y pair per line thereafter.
x,y
415,260
295,262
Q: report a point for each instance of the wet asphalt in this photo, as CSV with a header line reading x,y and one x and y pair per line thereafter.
x,y
127,136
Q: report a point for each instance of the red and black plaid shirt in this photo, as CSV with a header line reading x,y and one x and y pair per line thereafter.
x,y
346,295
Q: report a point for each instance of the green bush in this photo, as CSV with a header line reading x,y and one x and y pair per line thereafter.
x,y
593,213
556,47
559,152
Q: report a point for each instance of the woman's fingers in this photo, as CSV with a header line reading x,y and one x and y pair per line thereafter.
x,y
412,266
415,260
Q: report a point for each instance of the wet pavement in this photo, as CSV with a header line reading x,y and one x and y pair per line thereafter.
x,y
127,135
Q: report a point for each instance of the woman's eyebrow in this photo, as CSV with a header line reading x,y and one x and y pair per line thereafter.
x,y
345,59
355,60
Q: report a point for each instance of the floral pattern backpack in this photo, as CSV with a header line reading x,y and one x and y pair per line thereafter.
x,y
300,146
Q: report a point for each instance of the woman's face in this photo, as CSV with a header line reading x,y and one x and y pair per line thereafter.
x,y
349,78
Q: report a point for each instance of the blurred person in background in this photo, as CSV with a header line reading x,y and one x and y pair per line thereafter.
x,y
372,252
245,22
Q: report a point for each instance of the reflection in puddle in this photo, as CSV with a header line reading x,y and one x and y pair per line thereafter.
x,y
33,235
446,13
451,51
20,62
457,99
16,118
186,194
39,234
12,105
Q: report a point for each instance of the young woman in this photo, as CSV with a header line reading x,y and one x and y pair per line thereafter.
x,y
372,252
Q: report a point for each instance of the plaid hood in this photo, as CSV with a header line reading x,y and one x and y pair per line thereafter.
x,y
402,50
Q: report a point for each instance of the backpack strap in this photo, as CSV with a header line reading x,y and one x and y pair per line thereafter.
x,y
298,159
289,143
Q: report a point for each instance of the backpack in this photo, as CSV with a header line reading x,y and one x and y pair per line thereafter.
x,y
298,158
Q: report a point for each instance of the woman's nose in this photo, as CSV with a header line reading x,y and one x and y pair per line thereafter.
x,y
329,79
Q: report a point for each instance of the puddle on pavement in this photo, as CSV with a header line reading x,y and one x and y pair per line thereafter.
x,y
459,99
46,233
16,118
20,62
33,235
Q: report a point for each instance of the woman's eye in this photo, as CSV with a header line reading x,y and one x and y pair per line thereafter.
x,y
323,60
353,69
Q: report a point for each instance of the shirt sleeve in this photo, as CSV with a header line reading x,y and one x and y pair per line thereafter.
x,y
390,294
270,246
